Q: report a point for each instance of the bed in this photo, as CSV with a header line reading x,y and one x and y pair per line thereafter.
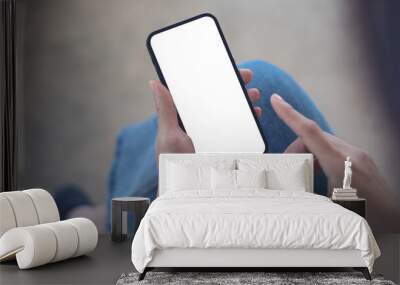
x,y
247,211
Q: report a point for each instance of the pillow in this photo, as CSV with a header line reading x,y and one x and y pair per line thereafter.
x,y
187,177
237,179
223,179
281,174
188,174
290,179
251,178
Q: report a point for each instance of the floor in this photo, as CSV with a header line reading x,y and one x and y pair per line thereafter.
x,y
389,262
110,260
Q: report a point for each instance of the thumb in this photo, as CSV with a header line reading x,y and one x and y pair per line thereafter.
x,y
165,108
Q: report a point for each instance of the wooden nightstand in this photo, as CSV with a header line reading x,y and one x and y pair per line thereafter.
x,y
358,206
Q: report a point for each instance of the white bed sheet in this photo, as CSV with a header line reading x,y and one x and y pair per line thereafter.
x,y
251,218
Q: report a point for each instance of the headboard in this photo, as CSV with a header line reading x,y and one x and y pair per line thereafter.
x,y
205,157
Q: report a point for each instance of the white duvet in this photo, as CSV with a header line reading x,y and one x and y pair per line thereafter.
x,y
250,219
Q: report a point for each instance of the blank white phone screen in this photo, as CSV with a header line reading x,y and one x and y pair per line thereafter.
x,y
205,88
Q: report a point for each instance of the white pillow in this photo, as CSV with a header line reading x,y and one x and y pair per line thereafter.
x,y
188,177
251,178
293,179
228,179
223,179
281,175
193,174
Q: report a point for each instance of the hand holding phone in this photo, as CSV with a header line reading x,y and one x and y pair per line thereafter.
x,y
193,61
170,137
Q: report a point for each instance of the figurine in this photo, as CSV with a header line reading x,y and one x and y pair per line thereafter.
x,y
347,192
347,174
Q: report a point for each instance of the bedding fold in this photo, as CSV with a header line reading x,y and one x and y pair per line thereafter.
x,y
250,218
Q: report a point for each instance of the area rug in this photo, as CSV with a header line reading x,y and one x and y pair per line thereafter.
x,y
229,278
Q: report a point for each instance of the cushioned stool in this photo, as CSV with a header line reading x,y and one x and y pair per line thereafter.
x,y
31,231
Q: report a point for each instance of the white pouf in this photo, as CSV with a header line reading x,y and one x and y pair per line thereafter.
x,y
23,208
67,240
40,244
7,220
31,231
33,246
45,205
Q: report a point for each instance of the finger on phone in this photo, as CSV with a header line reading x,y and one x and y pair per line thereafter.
x,y
246,74
165,107
258,111
254,94
307,130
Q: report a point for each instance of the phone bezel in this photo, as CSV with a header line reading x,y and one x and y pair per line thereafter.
x,y
162,79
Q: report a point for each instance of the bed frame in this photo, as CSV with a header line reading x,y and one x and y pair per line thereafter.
x,y
256,259
245,259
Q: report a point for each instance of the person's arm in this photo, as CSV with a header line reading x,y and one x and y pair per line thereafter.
x,y
330,151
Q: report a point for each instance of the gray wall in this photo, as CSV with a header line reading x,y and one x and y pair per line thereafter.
x,y
85,74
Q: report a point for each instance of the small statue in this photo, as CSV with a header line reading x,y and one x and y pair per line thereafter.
x,y
347,174
346,193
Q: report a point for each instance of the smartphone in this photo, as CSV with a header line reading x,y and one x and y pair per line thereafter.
x,y
193,61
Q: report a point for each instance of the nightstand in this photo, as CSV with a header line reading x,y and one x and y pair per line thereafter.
x,y
120,208
358,206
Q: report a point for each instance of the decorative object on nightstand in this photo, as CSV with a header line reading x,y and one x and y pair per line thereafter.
x,y
347,196
120,208
358,205
346,193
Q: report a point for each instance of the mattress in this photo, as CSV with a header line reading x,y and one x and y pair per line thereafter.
x,y
250,219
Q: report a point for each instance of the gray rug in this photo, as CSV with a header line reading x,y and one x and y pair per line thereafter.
x,y
226,278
